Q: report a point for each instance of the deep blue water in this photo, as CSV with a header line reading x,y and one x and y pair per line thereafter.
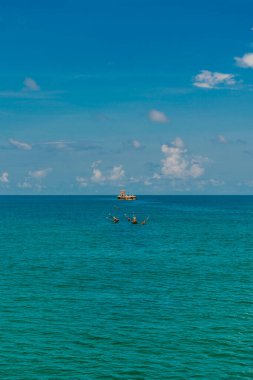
x,y
82,298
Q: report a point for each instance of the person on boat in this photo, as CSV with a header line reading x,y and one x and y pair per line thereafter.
x,y
134,220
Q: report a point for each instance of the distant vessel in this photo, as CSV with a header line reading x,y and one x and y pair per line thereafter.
x,y
123,196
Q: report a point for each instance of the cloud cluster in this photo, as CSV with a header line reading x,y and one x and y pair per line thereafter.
x,y
213,80
178,164
98,177
210,80
34,179
116,173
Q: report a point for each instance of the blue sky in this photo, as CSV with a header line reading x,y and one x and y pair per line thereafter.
x,y
151,95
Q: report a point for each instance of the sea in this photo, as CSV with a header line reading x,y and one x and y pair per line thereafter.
x,y
85,298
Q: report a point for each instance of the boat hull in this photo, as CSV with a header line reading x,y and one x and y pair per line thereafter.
x,y
126,198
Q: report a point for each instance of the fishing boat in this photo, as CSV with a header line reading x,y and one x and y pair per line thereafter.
x,y
123,196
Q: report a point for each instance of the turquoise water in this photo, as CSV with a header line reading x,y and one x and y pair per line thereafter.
x,y
82,298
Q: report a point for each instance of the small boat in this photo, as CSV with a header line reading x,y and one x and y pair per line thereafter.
x,y
123,196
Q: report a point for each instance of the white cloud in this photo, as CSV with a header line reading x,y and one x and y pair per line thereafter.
x,y
57,144
158,117
29,182
20,145
39,187
156,176
178,142
210,183
222,139
25,185
33,180
25,94
81,181
136,144
248,183
195,169
208,79
30,85
134,180
246,61
4,178
116,173
39,174
216,182
178,164
97,175
30,90
96,163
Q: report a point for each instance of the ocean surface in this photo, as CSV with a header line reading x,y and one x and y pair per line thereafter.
x,y
83,298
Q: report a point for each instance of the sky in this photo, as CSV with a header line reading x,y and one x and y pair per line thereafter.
x,y
154,96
